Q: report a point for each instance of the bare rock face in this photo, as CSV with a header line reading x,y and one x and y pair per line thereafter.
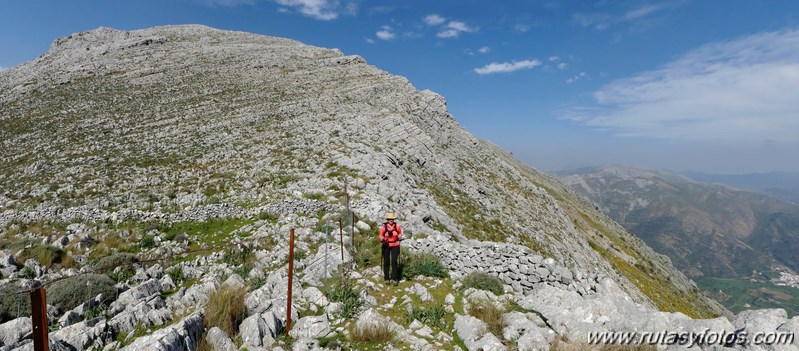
x,y
183,335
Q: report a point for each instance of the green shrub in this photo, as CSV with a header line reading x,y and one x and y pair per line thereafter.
x,y
95,311
109,263
429,315
367,251
13,305
256,282
176,274
269,217
226,309
343,290
27,273
147,242
69,293
428,265
125,262
483,281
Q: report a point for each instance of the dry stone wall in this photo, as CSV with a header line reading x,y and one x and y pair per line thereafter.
x,y
518,266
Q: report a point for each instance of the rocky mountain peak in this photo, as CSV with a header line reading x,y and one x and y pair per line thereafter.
x,y
168,141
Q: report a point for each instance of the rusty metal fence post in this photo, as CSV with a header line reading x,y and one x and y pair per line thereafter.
x,y
291,276
39,317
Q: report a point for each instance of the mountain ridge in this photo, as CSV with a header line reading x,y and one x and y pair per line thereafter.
x,y
709,230
196,136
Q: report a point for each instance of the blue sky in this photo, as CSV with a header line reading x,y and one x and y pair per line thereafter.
x,y
710,85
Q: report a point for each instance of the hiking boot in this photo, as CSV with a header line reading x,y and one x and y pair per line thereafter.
x,y
396,282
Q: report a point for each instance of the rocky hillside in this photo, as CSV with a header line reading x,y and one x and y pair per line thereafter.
x,y
708,230
165,166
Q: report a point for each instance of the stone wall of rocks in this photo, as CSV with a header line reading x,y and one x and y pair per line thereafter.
x,y
517,266
200,213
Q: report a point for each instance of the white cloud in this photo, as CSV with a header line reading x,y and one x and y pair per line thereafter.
x,y
370,40
324,10
521,27
599,21
603,21
562,65
448,33
434,20
742,90
577,77
505,67
453,29
642,11
484,50
459,26
554,58
386,33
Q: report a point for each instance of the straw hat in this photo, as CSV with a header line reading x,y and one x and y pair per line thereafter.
x,y
390,215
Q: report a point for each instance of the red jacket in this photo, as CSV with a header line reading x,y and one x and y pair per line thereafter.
x,y
390,234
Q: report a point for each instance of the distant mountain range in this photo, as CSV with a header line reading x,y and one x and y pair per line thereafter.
x,y
782,185
710,231
706,229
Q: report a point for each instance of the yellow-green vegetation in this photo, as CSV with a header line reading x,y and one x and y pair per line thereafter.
x,y
741,294
646,275
659,289
367,251
214,231
110,245
372,333
125,339
431,313
344,290
46,255
471,216
226,309
489,313
242,258
119,266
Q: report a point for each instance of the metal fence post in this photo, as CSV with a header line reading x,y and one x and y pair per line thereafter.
x,y
291,276
39,317
327,248
341,238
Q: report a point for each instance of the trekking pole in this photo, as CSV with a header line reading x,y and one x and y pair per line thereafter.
x,y
341,238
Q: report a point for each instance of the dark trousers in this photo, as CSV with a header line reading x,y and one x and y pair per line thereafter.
x,y
392,254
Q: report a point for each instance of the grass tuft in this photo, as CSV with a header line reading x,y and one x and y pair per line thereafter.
x,y
344,291
431,315
428,265
374,332
226,309
489,313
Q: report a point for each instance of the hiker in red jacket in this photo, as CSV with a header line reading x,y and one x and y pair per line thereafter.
x,y
390,236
